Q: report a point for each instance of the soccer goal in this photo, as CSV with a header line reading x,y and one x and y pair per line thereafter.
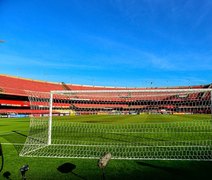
x,y
148,124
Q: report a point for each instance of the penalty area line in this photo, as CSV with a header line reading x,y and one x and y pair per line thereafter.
x,y
16,144
2,134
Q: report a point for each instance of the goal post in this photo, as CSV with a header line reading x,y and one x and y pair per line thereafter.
x,y
50,118
165,124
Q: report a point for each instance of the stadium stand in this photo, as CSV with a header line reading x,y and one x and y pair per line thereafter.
x,y
15,85
14,100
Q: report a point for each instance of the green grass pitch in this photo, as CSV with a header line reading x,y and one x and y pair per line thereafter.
x,y
13,133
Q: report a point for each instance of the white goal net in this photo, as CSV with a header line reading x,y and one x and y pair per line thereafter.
x,y
149,124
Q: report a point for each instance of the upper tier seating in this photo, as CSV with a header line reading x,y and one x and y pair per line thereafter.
x,y
16,86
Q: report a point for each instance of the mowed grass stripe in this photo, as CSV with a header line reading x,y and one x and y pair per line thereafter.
x,y
46,168
123,132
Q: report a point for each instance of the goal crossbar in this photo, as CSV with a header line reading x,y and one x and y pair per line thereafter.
x,y
133,91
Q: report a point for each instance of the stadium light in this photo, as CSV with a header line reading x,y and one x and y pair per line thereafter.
x,y
23,171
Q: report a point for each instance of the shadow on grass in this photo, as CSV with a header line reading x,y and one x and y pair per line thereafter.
x,y
174,171
16,138
24,135
68,168
7,175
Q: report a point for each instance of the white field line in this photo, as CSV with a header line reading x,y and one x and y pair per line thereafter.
x,y
16,144
156,132
99,145
24,154
7,133
138,132
130,146
89,145
11,132
121,158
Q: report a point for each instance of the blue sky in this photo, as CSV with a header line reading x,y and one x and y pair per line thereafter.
x,y
130,43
